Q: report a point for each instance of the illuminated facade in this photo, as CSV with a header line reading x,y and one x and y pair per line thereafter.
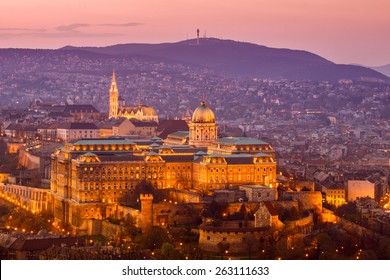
x,y
335,197
31,199
240,145
213,171
90,177
117,108
203,129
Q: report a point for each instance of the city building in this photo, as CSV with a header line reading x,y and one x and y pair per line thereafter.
x,y
335,196
68,131
82,112
360,188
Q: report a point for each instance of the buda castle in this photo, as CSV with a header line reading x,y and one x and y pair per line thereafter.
x,y
89,177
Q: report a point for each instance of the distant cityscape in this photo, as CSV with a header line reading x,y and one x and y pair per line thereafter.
x,y
127,157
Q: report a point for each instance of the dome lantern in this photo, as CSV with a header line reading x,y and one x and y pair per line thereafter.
x,y
203,114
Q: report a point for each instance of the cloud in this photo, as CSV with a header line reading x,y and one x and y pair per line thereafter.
x,y
65,31
22,29
121,24
71,27
75,26
76,34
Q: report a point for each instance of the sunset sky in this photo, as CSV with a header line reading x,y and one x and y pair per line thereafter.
x,y
344,31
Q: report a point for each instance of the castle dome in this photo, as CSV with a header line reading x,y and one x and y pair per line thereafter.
x,y
203,114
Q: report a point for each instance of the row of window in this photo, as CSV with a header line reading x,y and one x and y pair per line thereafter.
x,y
239,170
137,176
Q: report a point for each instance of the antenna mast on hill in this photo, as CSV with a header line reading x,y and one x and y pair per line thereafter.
x,y
197,33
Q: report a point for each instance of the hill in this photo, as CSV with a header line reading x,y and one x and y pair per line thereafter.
x,y
243,59
385,69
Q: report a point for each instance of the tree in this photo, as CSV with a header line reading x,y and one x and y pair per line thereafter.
x,y
154,238
325,245
169,252
251,244
213,210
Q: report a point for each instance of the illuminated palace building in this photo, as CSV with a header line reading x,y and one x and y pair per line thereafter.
x,y
90,176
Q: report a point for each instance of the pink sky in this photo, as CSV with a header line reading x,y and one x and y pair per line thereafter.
x,y
349,31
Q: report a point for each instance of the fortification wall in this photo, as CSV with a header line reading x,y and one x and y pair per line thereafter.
x,y
307,201
236,241
183,196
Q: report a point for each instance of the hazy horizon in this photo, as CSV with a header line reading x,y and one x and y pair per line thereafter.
x,y
347,32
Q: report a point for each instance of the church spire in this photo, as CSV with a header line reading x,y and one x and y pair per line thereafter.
x,y
113,82
113,76
114,98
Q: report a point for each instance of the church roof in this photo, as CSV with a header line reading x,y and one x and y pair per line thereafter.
x,y
142,109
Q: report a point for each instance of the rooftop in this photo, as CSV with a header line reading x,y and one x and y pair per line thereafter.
x,y
78,125
102,141
181,134
240,141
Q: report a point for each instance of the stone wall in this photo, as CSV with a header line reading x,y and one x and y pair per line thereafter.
x,y
234,240
166,213
307,200
183,196
301,226
259,193
125,212
330,217
110,230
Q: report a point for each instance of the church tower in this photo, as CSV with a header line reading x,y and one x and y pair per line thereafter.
x,y
203,129
114,98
